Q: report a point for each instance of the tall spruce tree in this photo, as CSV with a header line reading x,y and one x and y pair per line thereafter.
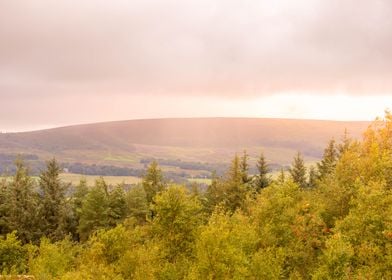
x,y
117,205
95,210
234,189
312,180
261,179
52,202
22,202
153,181
3,206
298,171
328,162
244,167
235,171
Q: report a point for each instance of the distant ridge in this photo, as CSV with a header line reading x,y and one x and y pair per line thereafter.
x,y
308,136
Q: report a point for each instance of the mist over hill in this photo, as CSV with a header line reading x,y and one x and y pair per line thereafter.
x,y
194,140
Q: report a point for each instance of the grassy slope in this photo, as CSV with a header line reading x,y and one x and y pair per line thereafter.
x,y
124,143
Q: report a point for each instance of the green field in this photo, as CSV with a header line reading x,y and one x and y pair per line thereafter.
x,y
111,180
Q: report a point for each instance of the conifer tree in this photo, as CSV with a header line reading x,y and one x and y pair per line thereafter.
x,y
281,177
22,205
235,172
137,203
261,180
95,210
117,205
312,181
3,206
52,202
244,167
328,162
153,181
344,145
234,189
298,171
214,193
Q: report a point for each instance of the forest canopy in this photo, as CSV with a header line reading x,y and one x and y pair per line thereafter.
x,y
329,221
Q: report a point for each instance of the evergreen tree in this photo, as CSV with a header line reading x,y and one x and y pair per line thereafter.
x,y
312,181
261,180
244,167
298,171
95,210
22,205
4,206
328,162
117,205
52,202
137,204
234,190
344,145
153,181
235,174
281,177
214,193
81,191
79,195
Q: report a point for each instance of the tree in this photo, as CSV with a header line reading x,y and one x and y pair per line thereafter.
x,y
214,193
235,172
281,177
13,256
262,180
298,171
312,181
328,162
95,210
153,181
22,205
4,206
117,205
137,204
52,202
344,145
244,167
176,221
234,190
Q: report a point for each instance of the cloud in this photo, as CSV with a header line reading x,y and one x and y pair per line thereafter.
x,y
225,48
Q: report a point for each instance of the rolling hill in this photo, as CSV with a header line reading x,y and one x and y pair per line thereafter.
x,y
127,143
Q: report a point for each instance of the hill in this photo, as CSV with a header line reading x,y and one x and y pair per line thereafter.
x,y
204,140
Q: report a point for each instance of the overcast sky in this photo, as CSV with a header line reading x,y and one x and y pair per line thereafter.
x,y
66,61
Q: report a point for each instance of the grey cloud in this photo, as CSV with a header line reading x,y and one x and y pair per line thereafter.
x,y
215,47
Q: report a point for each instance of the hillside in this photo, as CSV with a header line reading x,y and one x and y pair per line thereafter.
x,y
126,143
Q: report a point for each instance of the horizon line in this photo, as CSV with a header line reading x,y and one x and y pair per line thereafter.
x,y
51,127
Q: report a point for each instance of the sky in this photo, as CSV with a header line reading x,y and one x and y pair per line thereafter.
x,y
67,62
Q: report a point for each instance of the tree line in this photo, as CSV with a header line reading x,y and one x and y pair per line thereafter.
x,y
329,221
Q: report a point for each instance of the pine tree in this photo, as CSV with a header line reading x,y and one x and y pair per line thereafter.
x,y
281,177
137,204
312,181
79,195
244,167
344,145
214,193
328,162
95,210
117,205
235,172
261,179
22,205
298,171
52,202
153,181
234,189
4,206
